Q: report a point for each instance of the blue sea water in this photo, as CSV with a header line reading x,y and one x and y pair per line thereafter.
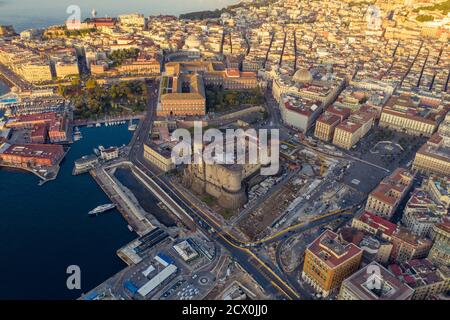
x,y
3,88
25,14
44,229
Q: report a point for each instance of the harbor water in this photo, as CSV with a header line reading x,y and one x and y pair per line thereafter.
x,y
26,14
3,88
45,229
146,200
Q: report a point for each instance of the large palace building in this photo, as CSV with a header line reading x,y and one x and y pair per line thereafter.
x,y
413,115
182,88
434,156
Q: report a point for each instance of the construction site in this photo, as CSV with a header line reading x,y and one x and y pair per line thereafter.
x,y
310,187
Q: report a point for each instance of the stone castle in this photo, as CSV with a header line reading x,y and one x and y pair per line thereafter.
x,y
224,182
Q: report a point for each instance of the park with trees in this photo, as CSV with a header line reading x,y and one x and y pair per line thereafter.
x,y
118,57
93,101
219,100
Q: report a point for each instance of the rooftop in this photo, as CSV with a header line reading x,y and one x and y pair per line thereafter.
x,y
35,150
383,225
374,282
407,236
332,250
392,189
417,273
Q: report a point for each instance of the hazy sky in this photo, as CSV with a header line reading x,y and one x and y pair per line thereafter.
x,y
39,13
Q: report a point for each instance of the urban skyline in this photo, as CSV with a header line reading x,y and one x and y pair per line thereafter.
x,y
347,100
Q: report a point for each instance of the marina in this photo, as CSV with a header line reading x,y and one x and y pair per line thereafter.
x,y
77,134
8,99
60,232
109,121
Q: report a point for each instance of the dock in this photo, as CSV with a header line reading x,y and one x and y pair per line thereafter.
x,y
129,211
82,123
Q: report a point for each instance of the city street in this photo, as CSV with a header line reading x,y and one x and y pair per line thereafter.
x,y
259,270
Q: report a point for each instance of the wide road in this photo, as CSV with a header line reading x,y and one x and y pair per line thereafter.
x,y
303,226
273,109
259,270
15,79
142,132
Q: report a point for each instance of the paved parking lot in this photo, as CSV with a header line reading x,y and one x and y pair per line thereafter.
x,y
368,176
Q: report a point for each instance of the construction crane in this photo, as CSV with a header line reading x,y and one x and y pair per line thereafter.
x,y
323,163
289,144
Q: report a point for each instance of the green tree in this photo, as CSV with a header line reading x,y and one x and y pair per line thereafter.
x,y
91,84
75,82
424,18
61,90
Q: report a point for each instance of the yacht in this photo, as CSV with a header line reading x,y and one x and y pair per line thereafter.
x,y
102,208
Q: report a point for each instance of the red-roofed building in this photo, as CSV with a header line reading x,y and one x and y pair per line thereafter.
x,y
408,246
299,112
424,277
102,22
341,112
325,126
375,225
328,261
374,282
32,155
395,269
39,133
233,73
413,115
353,129
56,124
30,120
57,130
386,197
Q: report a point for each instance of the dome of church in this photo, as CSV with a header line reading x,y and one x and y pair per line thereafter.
x,y
302,75
192,42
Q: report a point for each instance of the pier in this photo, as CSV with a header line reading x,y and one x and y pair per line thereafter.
x,y
80,123
131,213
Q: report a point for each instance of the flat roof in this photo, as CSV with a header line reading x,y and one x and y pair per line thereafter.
x,y
157,280
374,282
331,250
